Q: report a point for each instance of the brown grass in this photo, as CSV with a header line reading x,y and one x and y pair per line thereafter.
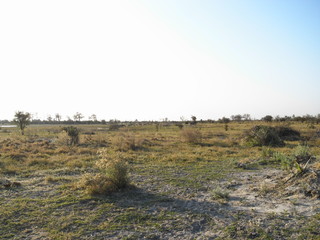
x,y
191,135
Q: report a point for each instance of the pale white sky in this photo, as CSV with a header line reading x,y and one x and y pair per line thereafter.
x,y
149,60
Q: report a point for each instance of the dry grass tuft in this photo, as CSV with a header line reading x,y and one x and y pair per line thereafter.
x,y
191,135
126,142
98,184
113,176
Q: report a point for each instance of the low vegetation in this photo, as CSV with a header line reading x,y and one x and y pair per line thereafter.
x,y
191,135
113,175
161,181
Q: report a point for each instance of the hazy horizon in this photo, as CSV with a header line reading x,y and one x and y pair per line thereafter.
x,y
150,60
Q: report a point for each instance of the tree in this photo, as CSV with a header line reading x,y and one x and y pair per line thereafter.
x,y
93,117
224,120
58,117
267,118
22,120
194,119
49,118
78,116
237,117
246,117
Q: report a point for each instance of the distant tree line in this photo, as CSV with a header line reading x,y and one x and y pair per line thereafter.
x,y
268,118
78,118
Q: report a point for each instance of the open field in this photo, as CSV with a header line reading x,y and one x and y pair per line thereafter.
x,y
209,185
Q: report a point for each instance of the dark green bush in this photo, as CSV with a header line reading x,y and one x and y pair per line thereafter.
x,y
287,133
263,136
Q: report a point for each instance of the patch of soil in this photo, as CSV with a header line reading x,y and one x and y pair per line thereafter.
x,y
274,191
262,199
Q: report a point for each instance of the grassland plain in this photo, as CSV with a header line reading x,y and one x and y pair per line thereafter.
x,y
216,187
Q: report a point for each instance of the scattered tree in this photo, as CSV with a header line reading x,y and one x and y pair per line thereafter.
x,y
267,118
22,120
194,120
58,117
224,120
49,118
246,117
237,118
93,117
78,116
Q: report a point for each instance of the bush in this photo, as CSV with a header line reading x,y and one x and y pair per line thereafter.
x,y
115,168
302,154
97,184
287,162
115,126
298,161
113,176
191,135
263,136
287,133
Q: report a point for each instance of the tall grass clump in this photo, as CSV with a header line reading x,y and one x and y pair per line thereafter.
x,y
126,142
191,135
113,175
115,168
302,154
296,162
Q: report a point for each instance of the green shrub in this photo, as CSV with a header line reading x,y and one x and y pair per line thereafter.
x,y
302,154
113,175
115,168
287,162
263,136
267,152
295,162
287,133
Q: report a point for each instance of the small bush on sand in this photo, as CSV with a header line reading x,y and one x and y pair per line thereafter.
x,y
220,194
263,136
302,154
115,168
113,176
98,184
287,162
191,135
296,162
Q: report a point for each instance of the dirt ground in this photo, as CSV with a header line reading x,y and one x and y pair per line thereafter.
x,y
258,204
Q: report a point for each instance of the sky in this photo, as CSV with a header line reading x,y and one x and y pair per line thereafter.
x,y
152,59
